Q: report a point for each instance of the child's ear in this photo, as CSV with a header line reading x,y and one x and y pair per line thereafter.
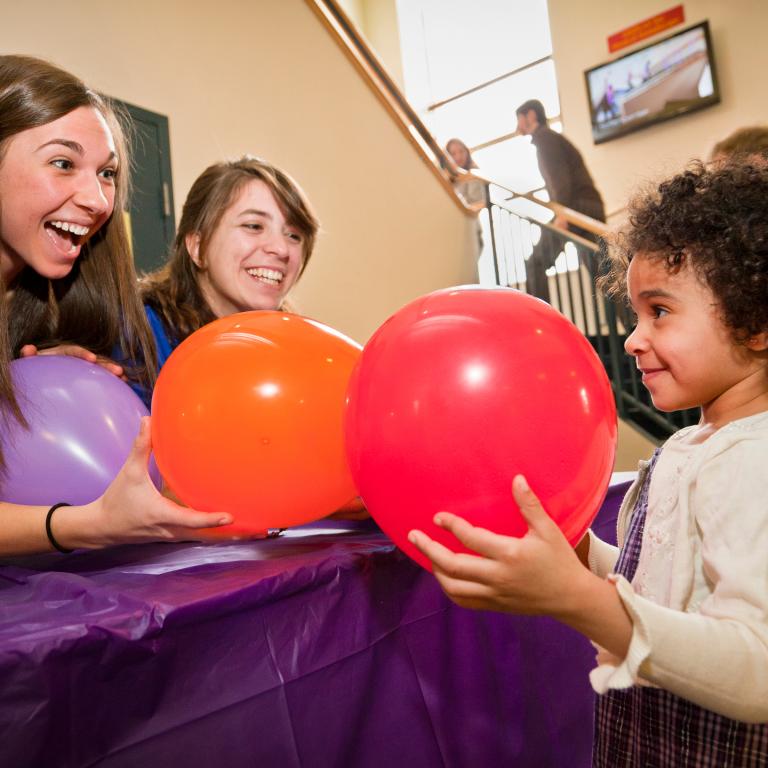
x,y
192,241
758,342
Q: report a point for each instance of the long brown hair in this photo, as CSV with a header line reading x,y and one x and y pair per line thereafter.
x,y
174,291
469,163
96,305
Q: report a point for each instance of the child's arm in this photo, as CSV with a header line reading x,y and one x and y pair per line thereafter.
x,y
538,574
714,654
709,642
599,556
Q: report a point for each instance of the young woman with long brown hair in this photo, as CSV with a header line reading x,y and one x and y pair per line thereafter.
x,y
69,285
246,234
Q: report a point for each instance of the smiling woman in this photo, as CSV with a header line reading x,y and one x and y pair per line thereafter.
x,y
63,256
246,234
68,285
64,190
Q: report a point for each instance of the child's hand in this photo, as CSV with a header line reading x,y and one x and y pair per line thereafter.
x,y
537,574
73,350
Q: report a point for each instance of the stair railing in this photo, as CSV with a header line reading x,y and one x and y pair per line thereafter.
x,y
522,249
516,225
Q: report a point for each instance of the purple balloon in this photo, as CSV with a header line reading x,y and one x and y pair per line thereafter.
x,y
82,424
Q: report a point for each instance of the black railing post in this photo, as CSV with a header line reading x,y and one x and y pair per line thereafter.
x,y
616,356
492,226
509,237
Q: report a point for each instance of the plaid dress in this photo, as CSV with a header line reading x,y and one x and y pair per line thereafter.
x,y
647,727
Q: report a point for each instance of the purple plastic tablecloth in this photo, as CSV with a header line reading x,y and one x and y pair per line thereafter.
x,y
323,647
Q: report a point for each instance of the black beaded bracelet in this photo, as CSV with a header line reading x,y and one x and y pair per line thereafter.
x,y
55,544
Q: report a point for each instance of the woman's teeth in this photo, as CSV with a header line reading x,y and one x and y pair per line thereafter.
x,y
75,229
271,276
67,236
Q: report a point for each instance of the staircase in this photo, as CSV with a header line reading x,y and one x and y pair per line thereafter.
x,y
517,241
520,248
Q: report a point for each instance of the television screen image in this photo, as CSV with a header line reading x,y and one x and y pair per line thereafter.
x,y
665,79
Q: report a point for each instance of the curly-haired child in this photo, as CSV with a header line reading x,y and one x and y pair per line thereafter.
x,y
679,614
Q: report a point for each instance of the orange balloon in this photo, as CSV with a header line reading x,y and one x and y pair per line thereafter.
x,y
247,418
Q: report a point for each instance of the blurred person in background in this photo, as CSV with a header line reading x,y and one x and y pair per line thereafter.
x,y
471,191
568,182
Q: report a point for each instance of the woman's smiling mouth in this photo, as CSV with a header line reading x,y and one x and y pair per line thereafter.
x,y
67,236
272,277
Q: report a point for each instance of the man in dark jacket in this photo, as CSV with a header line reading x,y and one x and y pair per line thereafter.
x,y
568,182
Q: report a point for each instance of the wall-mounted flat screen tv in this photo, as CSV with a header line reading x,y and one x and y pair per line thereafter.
x,y
665,79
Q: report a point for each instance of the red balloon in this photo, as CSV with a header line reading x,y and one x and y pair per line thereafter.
x,y
465,388
247,418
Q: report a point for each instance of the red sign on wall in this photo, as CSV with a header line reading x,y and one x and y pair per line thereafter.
x,y
647,28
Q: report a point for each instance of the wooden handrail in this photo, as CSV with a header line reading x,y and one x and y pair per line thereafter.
x,y
354,46
576,218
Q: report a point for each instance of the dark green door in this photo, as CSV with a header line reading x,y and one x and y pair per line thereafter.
x,y
151,208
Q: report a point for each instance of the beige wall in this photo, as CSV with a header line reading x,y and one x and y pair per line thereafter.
x,y
381,28
265,77
355,10
631,447
377,20
579,38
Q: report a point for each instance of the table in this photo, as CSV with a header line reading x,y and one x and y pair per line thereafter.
x,y
323,647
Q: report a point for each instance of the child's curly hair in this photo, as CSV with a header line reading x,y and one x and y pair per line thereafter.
x,y
714,219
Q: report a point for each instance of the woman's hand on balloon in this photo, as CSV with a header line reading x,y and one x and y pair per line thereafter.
x,y
219,534
73,350
132,510
536,574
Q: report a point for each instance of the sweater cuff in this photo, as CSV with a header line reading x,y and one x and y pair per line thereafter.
x,y
613,672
